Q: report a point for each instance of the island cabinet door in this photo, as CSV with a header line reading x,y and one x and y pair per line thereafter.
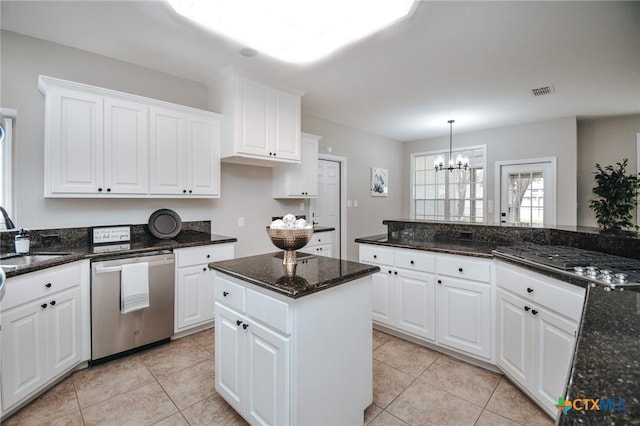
x,y
267,369
230,356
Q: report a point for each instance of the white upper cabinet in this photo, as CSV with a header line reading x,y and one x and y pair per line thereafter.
x,y
299,180
102,143
261,123
73,142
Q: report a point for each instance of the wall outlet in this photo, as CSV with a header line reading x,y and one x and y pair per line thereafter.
x,y
355,203
349,203
302,206
241,221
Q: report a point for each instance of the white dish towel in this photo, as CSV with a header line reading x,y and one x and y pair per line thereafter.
x,y
134,287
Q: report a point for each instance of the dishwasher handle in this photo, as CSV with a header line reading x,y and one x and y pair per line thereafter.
x,y
106,269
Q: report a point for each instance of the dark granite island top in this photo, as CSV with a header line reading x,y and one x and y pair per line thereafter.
x,y
313,273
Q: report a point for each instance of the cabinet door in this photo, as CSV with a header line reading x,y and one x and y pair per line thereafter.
x,y
554,339
126,147
267,401
309,167
194,296
284,137
74,142
383,295
203,165
64,331
415,303
514,337
23,352
167,152
464,317
252,123
230,356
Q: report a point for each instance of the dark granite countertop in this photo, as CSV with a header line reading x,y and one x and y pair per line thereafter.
x,y
313,273
461,247
71,253
606,362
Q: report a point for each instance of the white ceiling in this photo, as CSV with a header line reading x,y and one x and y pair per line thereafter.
x,y
474,62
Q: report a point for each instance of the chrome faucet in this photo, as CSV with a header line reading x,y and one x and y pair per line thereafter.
x,y
7,223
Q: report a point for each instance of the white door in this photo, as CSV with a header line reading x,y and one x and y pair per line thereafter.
x,y
415,303
555,340
527,192
230,356
126,142
286,110
192,294
23,351
76,150
463,315
514,342
326,207
382,295
253,120
64,334
203,165
167,150
267,401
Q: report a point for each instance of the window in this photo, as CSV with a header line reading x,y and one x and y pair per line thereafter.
x,y
448,196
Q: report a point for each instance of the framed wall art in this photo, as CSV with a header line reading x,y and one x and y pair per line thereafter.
x,y
379,182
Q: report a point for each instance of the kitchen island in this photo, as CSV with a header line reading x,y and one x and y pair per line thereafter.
x,y
294,349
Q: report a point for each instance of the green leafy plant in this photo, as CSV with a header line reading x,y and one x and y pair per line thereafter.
x,y
617,196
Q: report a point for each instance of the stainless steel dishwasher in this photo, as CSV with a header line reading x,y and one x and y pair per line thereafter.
x,y
113,332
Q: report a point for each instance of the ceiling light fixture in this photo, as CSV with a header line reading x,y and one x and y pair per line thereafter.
x,y
294,30
460,163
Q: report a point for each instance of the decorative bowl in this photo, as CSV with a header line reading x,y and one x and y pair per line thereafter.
x,y
289,240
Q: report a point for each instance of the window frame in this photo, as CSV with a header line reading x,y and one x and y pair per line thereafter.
x,y
412,177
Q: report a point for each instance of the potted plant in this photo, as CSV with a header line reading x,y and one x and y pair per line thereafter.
x,y
617,197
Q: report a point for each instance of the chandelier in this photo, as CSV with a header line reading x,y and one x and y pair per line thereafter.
x,y
460,163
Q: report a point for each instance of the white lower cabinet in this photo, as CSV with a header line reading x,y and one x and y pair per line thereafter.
x,y
404,289
194,299
537,323
320,244
45,329
442,298
464,307
276,358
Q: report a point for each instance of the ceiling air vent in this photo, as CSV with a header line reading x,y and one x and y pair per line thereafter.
x,y
541,91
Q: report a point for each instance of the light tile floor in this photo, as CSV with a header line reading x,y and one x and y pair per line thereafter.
x,y
173,385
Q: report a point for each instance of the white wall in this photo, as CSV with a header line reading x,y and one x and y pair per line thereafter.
x,y
245,190
363,151
606,141
535,140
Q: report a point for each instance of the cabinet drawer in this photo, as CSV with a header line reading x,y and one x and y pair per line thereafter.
x,y
376,254
564,298
228,293
320,238
323,250
464,267
203,254
415,260
270,311
40,284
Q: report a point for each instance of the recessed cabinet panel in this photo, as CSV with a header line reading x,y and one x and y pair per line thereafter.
x,y
126,147
514,345
253,125
203,135
74,142
287,125
168,148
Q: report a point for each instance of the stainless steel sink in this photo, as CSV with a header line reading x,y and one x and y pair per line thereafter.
x,y
17,261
